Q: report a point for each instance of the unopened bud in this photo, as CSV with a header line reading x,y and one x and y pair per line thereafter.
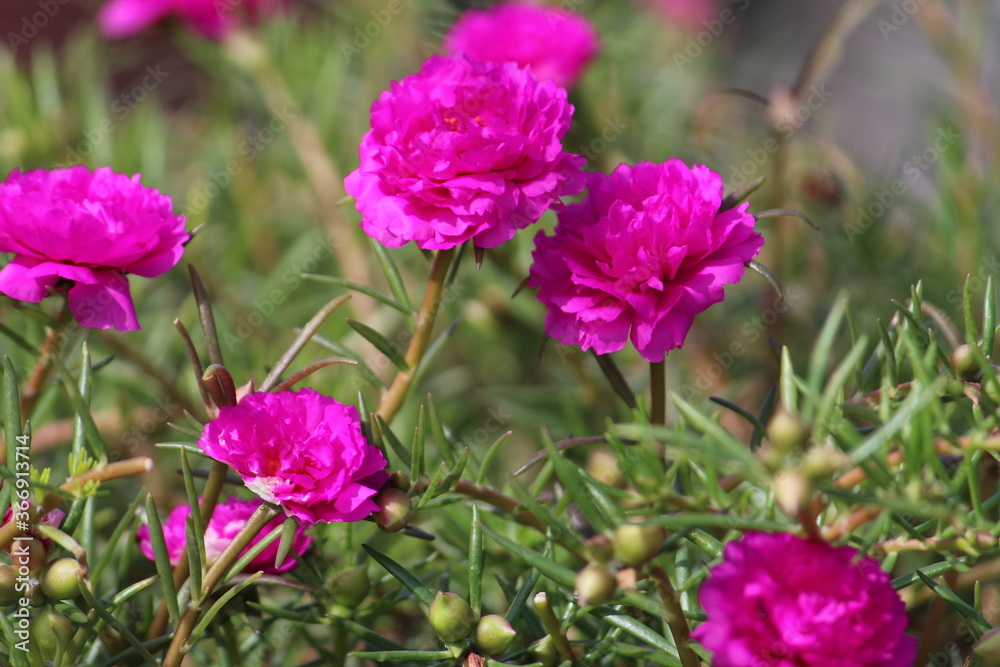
x,y
399,480
545,652
8,585
393,510
451,617
821,461
61,579
600,548
964,363
786,432
494,634
987,649
602,465
52,633
594,585
351,586
635,544
792,491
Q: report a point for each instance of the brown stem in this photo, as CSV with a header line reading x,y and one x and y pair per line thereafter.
x,y
260,518
74,485
55,338
675,617
658,392
393,399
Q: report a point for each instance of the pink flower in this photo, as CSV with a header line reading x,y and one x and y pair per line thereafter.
x,y
645,252
212,18
53,518
463,150
779,600
556,44
227,520
301,450
85,230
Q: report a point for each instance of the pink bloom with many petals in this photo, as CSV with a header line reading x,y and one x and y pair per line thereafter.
x,y
556,44
85,230
463,150
301,450
645,252
212,18
228,519
783,601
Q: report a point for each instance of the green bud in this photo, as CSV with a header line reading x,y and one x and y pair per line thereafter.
x,y
61,579
399,480
451,617
595,585
351,586
635,545
545,652
964,363
393,510
602,465
987,649
494,634
8,585
52,632
786,432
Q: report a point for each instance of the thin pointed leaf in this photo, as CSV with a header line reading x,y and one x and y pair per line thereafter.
x,y
456,474
434,486
383,656
560,574
971,616
288,531
890,354
786,212
476,556
206,317
740,410
989,318
126,634
417,466
303,337
491,454
243,562
195,555
569,475
738,196
444,443
97,448
616,379
161,557
403,575
380,343
391,274
369,636
362,289
213,611
18,340
123,524
397,446
192,498
11,414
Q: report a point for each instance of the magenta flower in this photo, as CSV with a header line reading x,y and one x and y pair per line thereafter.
x,y
556,44
53,518
227,520
463,150
301,450
85,230
645,252
212,18
789,602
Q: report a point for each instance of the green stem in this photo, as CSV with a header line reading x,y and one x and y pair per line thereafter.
x,y
658,392
675,617
396,395
260,518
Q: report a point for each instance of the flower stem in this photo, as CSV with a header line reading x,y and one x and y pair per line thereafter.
x,y
675,617
55,338
260,518
658,392
396,395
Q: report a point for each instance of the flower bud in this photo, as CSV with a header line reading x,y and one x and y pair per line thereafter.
x,y
451,617
786,432
635,544
60,579
792,491
52,632
964,363
544,651
399,480
393,510
602,465
594,585
494,634
987,649
351,586
821,461
8,585
599,548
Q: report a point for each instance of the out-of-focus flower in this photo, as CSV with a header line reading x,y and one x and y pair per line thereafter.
x,y
556,44
463,150
645,252
778,599
212,18
85,230
228,519
301,450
